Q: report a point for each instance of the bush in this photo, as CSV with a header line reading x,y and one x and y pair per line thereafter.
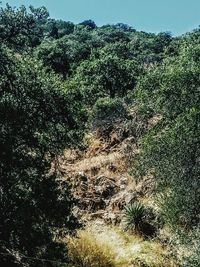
x,y
106,113
85,251
38,120
143,219
107,108
134,214
170,149
193,245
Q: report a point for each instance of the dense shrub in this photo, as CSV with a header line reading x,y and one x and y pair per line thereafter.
x,y
170,150
192,243
109,109
106,113
36,122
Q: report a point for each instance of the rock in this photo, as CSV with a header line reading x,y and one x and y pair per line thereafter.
x,y
82,177
122,187
112,168
96,215
106,186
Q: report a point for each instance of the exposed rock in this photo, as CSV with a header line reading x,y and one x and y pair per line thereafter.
x,y
100,180
106,186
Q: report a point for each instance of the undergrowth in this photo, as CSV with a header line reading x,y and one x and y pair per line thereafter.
x,y
108,246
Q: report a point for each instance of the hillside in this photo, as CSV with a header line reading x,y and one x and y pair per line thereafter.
x,y
100,144
102,185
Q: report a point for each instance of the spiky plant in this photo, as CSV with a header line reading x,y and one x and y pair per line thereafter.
x,y
134,214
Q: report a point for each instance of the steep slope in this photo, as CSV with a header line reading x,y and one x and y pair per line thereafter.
x,y
102,186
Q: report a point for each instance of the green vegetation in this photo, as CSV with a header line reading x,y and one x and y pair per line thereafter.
x,y
60,80
134,214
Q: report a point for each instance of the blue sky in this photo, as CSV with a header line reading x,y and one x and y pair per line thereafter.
x,y
176,16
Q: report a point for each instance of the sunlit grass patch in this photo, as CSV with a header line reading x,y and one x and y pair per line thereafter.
x,y
85,251
108,246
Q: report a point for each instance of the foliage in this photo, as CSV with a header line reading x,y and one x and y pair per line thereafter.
x,y
142,218
106,108
134,214
107,75
58,28
38,120
107,114
193,247
20,29
171,148
62,54
53,75
89,23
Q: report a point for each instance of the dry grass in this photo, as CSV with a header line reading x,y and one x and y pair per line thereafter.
x,y
98,161
99,154
86,251
108,246
99,245
112,166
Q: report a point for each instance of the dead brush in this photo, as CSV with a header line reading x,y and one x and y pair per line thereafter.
x,y
85,251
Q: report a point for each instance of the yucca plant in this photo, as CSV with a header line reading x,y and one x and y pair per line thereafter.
x,y
134,214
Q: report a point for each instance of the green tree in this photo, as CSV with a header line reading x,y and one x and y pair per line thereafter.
x,y
19,28
37,120
89,23
58,28
111,34
56,56
107,75
15,26
171,148
40,16
66,53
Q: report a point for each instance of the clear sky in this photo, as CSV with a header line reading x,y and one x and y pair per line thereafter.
x,y
176,16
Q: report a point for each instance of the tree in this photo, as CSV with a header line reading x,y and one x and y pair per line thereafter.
x,y
162,41
89,23
56,56
171,148
106,75
15,26
58,28
111,34
124,27
20,29
37,120
66,53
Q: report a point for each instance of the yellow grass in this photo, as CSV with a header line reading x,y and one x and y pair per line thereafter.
x,y
86,251
108,246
